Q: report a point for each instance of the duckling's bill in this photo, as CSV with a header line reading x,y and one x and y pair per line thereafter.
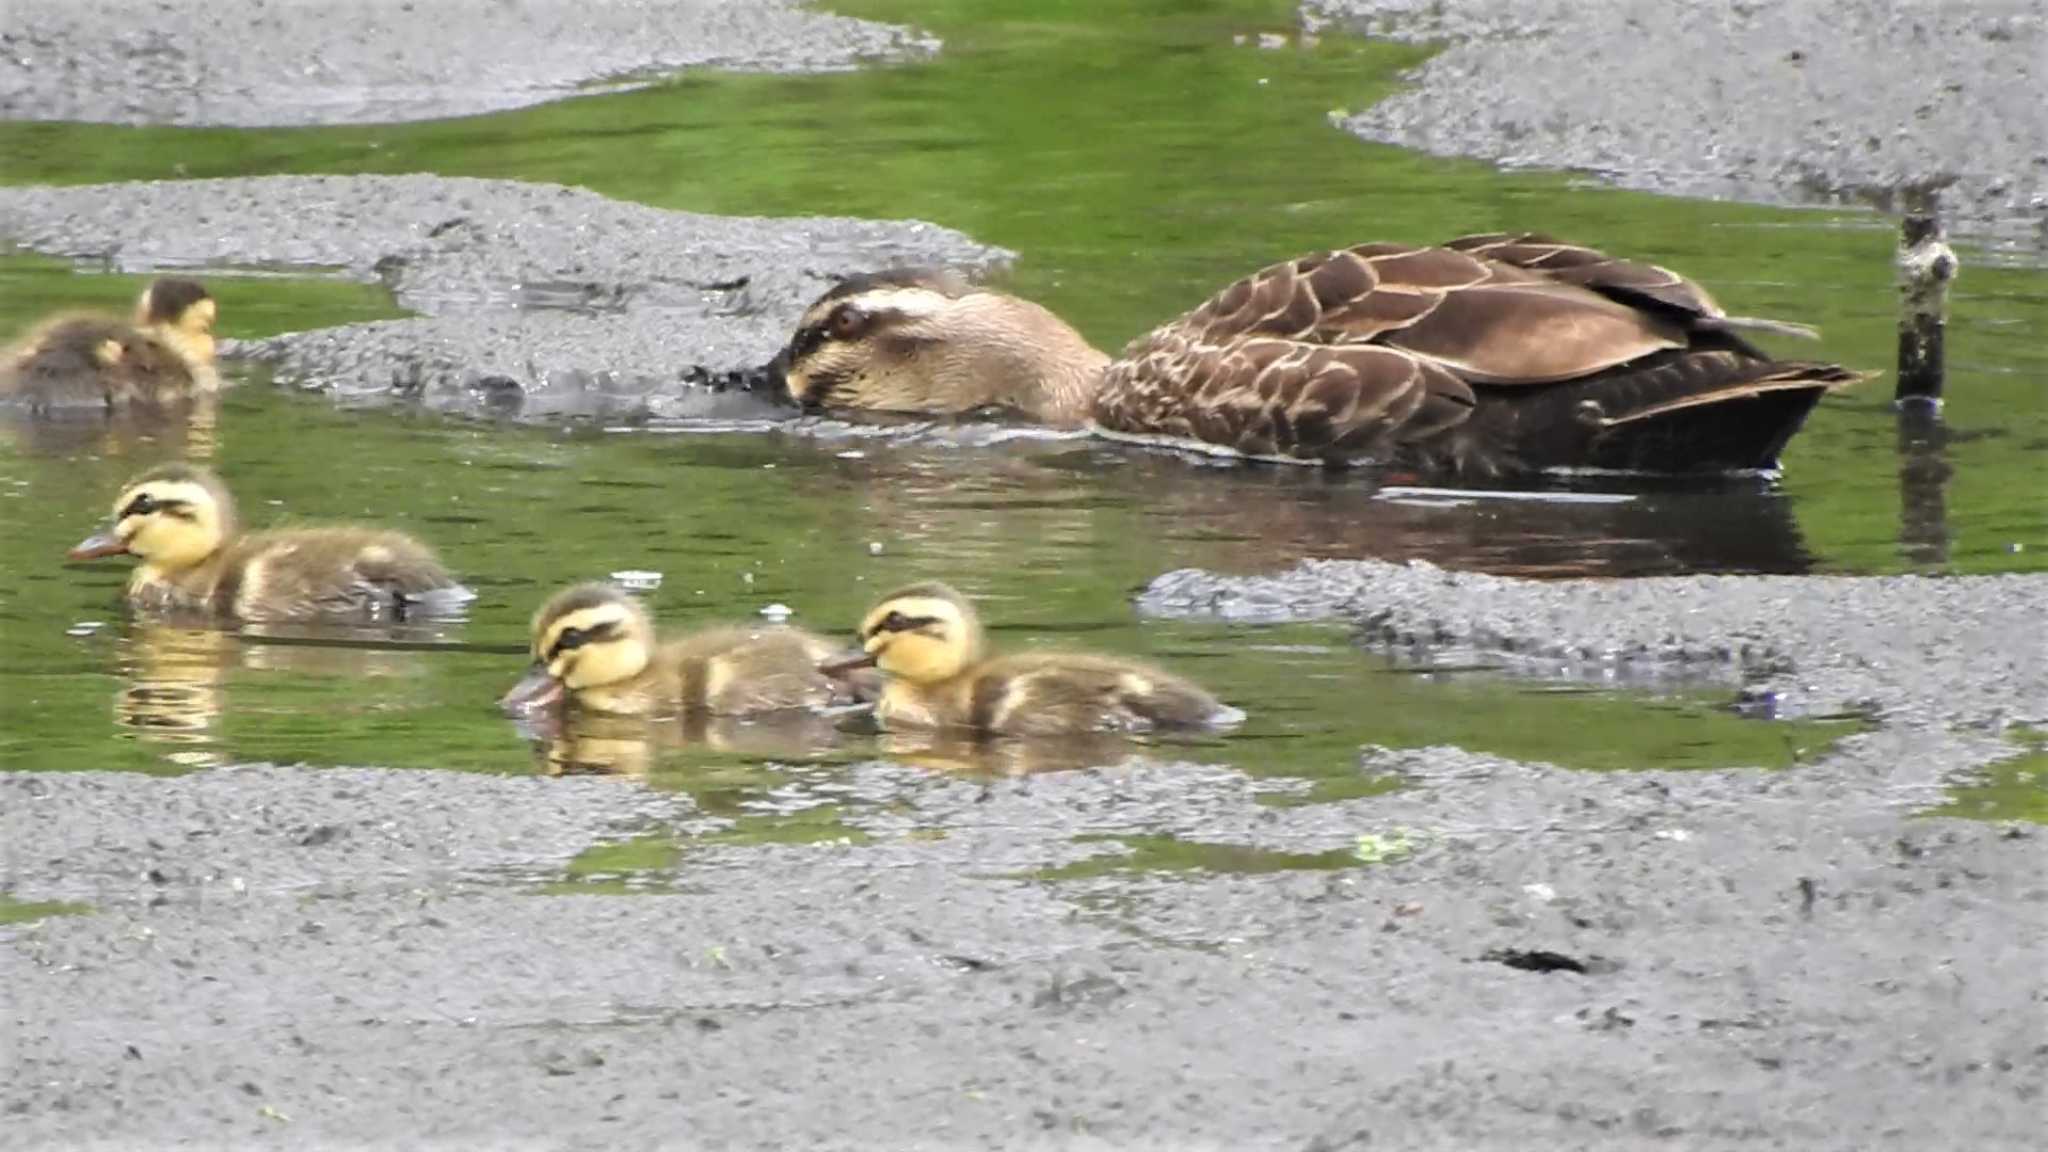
x,y
536,690
106,542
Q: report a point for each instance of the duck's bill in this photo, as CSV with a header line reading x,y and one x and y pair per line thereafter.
x,y
845,662
97,545
535,690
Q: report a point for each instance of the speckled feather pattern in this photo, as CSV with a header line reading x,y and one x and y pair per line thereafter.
x,y
1386,352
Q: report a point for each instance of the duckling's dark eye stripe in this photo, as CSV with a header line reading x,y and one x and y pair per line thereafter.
x,y
898,622
578,637
145,504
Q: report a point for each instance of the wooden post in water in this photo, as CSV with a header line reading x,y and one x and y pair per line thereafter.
x,y
1926,267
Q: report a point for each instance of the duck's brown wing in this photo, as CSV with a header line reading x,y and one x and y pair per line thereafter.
x,y
1350,353
1368,352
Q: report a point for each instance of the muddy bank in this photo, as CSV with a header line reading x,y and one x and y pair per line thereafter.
x,y
534,297
1747,960
372,61
1787,101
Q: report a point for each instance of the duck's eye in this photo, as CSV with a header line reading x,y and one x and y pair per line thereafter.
x,y
571,638
142,505
847,323
895,622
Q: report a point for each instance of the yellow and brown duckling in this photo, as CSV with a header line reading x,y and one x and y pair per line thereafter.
x,y
179,521
595,645
928,643
162,356
1485,355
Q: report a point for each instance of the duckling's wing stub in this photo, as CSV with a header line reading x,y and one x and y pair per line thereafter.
x,y
338,572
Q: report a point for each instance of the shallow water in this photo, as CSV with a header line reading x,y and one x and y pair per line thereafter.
x,y
1137,158
1052,536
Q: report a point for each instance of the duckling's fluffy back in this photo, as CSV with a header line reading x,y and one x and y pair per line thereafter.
x,y
733,670
301,573
1069,693
83,361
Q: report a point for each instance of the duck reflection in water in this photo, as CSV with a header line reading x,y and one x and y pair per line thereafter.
x,y
1037,505
172,690
174,676
578,742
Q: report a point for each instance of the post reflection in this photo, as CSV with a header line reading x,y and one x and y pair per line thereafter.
x,y
1924,472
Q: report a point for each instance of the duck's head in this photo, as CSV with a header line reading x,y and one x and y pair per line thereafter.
x,y
924,634
588,636
181,313
917,340
172,517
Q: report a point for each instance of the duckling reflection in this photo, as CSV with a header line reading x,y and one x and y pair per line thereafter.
x,y
580,742
956,753
174,676
188,431
173,690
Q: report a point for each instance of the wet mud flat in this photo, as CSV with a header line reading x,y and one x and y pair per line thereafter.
x,y
534,299
1788,101
369,61
366,958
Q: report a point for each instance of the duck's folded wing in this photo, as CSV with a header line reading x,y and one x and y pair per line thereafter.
x,y
1267,396
1321,356
1633,282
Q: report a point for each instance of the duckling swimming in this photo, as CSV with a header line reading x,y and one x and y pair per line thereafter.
x,y
927,641
1486,355
163,356
180,522
595,645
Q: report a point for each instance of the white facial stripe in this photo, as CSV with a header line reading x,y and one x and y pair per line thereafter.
x,y
912,303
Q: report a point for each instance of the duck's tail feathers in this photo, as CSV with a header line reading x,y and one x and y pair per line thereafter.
x,y
1704,412
1757,324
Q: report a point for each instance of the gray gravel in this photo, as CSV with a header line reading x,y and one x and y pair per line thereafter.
x,y
1774,959
1783,101
536,297
368,61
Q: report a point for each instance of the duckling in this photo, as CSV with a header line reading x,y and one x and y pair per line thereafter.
x,y
179,520
927,641
162,356
595,645
1487,355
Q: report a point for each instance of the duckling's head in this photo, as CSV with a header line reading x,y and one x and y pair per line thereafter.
x,y
173,517
588,636
181,313
925,634
917,340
